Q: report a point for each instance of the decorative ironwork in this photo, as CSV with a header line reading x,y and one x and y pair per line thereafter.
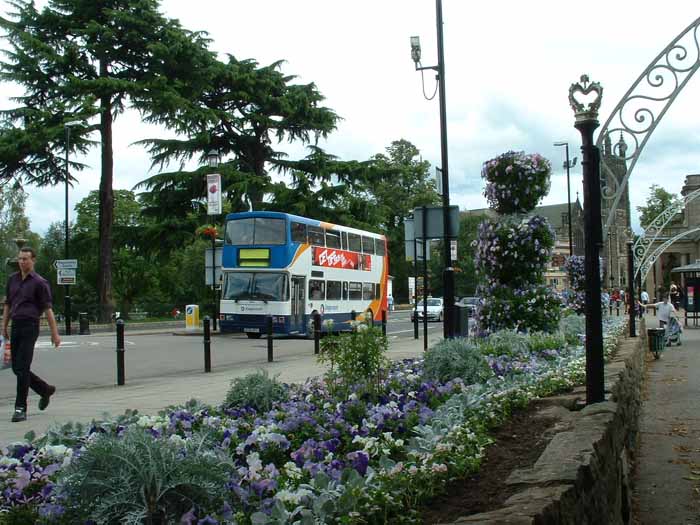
x,y
651,259
653,231
579,92
643,106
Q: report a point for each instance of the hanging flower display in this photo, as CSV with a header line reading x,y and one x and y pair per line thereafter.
x,y
516,182
514,250
208,231
529,309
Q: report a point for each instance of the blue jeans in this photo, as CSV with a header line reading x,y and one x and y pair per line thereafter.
x,y
23,337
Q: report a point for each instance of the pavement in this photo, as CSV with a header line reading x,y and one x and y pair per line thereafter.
x,y
667,474
149,396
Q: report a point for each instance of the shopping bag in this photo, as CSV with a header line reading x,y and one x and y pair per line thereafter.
x,y
6,353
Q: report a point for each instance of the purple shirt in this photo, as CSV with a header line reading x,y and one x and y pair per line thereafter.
x,y
28,297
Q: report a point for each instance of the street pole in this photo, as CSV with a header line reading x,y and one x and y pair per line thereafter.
x,y
213,278
586,123
631,292
568,199
67,305
448,272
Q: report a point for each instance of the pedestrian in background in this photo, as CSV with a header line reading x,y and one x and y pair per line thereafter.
x,y
27,297
664,310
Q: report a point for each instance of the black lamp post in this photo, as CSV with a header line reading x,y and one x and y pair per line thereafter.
x,y
586,123
67,303
568,164
631,291
448,272
213,162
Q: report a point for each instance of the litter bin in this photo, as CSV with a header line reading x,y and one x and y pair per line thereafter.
x,y
462,320
192,317
656,337
84,324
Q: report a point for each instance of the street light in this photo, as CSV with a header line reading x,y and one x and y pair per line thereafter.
x,y
568,164
586,121
448,273
213,163
67,126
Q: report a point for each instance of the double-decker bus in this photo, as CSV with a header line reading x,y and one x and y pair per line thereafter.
x,y
290,268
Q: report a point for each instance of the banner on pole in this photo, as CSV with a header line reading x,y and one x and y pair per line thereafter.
x,y
213,194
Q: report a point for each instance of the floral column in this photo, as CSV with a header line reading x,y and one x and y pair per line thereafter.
x,y
513,250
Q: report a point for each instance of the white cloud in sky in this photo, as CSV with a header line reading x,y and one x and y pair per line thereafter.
x,y
509,65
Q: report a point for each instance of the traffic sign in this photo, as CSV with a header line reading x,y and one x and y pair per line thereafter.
x,y
66,275
65,264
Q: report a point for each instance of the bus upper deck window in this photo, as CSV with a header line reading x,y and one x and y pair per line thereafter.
x,y
354,242
344,240
367,244
299,232
270,231
316,236
379,246
332,239
240,231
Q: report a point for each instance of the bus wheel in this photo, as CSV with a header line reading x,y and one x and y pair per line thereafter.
x,y
253,336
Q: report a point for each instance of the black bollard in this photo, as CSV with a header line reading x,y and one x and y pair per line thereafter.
x,y
120,352
384,323
415,322
353,315
84,324
269,338
610,308
207,344
317,333
617,310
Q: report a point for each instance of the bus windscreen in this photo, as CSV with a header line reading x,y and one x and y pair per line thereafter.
x,y
261,286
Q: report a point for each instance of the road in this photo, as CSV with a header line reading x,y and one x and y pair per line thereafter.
x,y
89,361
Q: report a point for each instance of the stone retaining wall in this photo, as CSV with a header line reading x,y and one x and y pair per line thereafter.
x,y
583,475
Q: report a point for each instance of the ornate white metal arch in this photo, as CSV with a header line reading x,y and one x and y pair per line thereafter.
x,y
651,259
646,102
653,231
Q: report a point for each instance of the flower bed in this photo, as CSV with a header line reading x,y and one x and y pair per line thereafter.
x,y
367,459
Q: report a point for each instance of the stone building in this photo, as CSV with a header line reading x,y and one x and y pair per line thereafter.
x,y
685,228
614,251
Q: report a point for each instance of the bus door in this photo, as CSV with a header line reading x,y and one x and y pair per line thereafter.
x,y
296,322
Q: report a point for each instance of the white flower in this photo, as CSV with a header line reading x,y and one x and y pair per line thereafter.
x,y
293,497
55,451
8,462
177,440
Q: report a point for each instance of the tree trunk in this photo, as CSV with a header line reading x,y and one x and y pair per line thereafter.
x,y
104,273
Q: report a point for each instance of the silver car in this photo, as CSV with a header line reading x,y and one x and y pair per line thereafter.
x,y
435,311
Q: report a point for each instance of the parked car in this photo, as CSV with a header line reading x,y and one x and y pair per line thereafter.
x,y
435,309
469,302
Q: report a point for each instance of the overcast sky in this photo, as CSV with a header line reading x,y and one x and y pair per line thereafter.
x,y
509,65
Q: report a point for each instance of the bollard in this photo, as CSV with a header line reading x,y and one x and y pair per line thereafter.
x,y
269,338
384,323
84,324
207,344
120,352
610,306
317,333
415,323
617,310
353,315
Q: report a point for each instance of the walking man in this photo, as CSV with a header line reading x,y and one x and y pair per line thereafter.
x,y
27,297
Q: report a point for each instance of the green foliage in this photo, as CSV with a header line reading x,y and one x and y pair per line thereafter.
x,y
659,199
136,477
357,360
573,327
257,390
456,358
505,342
539,342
